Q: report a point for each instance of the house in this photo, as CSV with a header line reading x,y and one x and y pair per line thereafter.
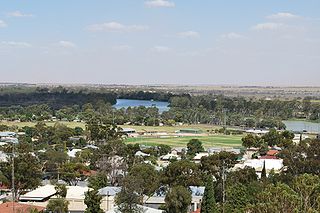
x,y
159,199
170,156
141,154
200,155
75,197
3,157
189,131
257,131
272,152
270,164
41,194
13,207
108,195
72,153
8,137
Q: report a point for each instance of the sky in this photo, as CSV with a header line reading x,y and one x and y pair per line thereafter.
x,y
196,42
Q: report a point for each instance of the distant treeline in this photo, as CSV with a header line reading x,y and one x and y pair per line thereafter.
x,y
145,95
55,99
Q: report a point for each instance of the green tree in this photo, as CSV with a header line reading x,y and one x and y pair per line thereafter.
x,y
58,205
308,188
178,200
194,146
98,181
183,173
27,169
72,172
208,204
93,202
145,178
276,198
264,172
61,190
127,199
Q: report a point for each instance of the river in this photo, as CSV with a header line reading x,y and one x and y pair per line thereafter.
x,y
302,125
125,103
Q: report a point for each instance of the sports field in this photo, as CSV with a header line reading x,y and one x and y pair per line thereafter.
x,y
207,141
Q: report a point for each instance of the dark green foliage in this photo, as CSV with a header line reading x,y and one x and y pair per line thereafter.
x,y
194,146
61,190
127,199
264,172
208,204
58,205
178,200
183,173
93,201
98,181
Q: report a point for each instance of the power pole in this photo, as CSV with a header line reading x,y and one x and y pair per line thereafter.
x,y
13,189
223,186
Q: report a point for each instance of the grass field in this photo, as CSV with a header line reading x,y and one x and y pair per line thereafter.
x,y
207,141
169,129
172,129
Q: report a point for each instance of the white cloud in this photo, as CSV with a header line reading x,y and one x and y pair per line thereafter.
x,y
2,24
122,48
19,14
189,34
161,49
159,3
116,27
282,16
268,26
16,44
232,35
66,44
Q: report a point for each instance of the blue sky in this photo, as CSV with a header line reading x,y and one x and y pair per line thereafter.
x,y
244,42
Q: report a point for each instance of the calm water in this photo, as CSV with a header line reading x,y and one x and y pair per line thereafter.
x,y
125,103
302,125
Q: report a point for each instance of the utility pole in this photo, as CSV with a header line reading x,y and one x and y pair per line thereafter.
x,y
15,140
223,186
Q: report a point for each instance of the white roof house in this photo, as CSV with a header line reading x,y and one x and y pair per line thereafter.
x,y
141,154
270,164
109,191
40,194
3,157
257,131
200,155
72,153
170,157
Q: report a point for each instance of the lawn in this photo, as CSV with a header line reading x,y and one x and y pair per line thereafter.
x,y
207,141
171,129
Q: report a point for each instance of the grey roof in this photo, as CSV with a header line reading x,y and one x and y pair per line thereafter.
x,y
197,190
7,134
109,191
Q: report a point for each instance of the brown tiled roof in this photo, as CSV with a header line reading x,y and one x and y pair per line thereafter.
x,y
272,152
19,207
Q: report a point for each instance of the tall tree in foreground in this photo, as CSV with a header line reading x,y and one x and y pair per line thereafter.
x,y
127,199
93,201
58,205
264,172
208,204
178,200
